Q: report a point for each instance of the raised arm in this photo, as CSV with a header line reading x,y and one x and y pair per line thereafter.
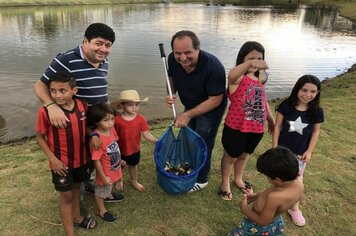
x,y
236,73
234,76
55,113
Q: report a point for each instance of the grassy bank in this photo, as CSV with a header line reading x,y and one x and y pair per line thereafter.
x,y
347,7
29,205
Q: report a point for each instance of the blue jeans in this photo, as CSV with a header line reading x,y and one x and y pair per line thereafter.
x,y
207,126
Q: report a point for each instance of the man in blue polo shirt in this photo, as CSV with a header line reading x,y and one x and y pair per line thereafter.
x,y
200,80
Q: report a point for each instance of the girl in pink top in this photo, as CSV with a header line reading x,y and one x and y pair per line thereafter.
x,y
107,159
246,118
130,125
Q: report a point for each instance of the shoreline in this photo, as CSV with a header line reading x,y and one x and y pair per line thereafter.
x,y
345,8
154,123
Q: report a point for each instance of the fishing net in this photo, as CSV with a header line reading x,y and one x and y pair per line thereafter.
x,y
185,149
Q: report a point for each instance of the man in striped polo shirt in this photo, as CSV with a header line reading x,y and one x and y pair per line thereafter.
x,y
89,66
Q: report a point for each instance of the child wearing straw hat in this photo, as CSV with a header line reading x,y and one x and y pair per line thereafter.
x,y
129,125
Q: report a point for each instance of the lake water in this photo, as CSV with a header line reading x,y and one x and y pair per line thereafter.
x,y
298,41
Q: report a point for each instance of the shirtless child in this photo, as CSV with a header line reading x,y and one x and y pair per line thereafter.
x,y
281,168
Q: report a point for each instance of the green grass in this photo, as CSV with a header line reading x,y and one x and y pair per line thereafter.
x,y
29,204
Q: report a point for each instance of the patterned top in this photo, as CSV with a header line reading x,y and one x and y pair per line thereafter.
x,y
67,144
109,156
297,128
248,108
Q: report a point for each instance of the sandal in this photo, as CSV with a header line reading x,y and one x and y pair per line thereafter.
x,y
246,189
227,196
87,223
297,217
108,217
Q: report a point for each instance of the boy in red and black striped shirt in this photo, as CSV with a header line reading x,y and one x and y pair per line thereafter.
x,y
65,149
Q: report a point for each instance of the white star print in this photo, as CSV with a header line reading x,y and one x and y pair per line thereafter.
x,y
297,126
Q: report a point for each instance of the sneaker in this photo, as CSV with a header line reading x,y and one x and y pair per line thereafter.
x,y
297,217
197,187
117,196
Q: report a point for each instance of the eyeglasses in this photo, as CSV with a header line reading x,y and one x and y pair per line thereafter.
x,y
99,44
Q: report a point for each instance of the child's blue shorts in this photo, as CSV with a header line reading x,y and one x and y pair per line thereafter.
x,y
247,227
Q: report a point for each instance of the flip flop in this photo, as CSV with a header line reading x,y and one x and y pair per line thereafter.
x,y
246,189
87,223
227,196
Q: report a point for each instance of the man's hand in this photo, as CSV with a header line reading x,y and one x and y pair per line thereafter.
x,y
182,120
57,117
171,100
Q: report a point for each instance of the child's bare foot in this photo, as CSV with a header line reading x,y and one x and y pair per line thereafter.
x,y
138,186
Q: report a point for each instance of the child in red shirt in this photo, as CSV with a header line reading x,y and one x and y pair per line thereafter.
x,y
65,150
129,126
107,159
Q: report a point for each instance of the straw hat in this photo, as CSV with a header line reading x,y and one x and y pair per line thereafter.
x,y
130,96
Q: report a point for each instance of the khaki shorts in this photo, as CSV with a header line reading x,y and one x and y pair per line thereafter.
x,y
103,191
